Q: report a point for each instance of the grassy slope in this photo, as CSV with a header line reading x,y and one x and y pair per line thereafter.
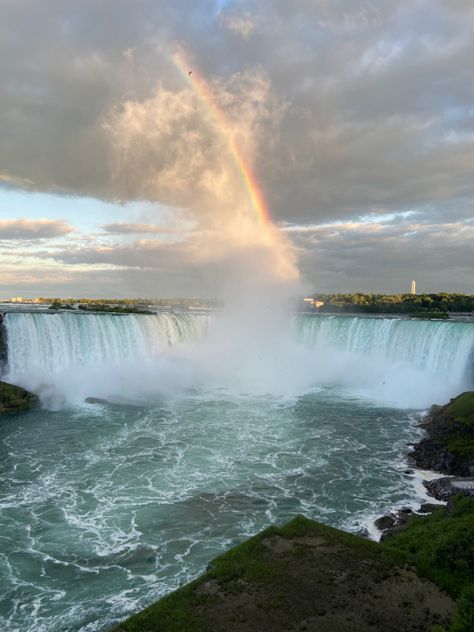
x,y
441,547
303,576
459,425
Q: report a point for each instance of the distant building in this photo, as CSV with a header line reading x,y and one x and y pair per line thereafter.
x,y
313,302
413,287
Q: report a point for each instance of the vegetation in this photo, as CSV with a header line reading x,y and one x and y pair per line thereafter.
x,y
115,309
181,303
453,426
441,546
60,305
424,305
303,576
458,435
14,399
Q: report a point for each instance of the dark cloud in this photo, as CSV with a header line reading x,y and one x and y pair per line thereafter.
x,y
33,229
374,92
375,116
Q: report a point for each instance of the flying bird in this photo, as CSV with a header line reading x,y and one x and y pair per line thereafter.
x,y
190,73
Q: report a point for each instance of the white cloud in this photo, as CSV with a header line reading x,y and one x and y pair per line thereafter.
x,y
34,229
244,25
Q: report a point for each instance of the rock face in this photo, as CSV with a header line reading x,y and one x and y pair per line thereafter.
x,y
448,449
3,344
449,446
14,399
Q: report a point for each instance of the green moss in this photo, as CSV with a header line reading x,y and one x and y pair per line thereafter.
x,y
177,612
15,399
455,425
462,447
462,406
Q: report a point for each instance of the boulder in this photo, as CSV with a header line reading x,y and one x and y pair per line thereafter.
x,y
15,399
429,507
384,522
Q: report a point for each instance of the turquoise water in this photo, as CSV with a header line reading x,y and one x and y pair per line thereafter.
x,y
217,429
106,508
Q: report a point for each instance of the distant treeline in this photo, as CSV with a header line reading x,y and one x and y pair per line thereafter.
x,y
158,302
436,304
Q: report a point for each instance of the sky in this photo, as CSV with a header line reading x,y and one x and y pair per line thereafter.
x,y
117,178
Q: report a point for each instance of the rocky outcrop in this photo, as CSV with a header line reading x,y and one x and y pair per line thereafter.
x,y
449,446
448,449
446,487
14,399
3,344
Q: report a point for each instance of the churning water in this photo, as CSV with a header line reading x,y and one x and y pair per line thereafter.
x,y
106,507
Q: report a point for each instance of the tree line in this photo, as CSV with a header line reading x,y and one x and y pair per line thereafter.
x,y
440,303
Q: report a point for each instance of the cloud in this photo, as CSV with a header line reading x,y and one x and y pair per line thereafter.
x,y
185,149
123,228
340,110
15,181
243,25
26,229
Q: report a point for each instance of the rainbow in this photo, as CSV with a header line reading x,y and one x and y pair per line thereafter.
x,y
249,180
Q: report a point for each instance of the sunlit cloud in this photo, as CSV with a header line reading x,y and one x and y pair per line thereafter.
x,y
34,229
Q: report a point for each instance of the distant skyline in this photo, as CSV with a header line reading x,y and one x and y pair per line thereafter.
x,y
357,120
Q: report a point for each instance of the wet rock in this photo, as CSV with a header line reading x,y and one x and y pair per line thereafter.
x,y
450,433
363,533
440,488
446,487
14,399
96,400
388,533
403,515
429,507
385,522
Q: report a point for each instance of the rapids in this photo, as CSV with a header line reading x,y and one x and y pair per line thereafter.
x,y
106,507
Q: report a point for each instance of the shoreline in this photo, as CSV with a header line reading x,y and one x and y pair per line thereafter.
x,y
438,473
296,574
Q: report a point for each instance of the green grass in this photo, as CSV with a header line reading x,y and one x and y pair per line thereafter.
x,y
457,428
441,546
462,406
285,583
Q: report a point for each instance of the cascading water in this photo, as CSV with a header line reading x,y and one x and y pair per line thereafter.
x,y
405,362
105,508
84,354
410,363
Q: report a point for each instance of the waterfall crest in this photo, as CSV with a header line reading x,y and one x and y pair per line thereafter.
x,y
442,349
66,357
69,356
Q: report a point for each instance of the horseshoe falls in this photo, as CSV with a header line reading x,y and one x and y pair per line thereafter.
x,y
200,436
68,357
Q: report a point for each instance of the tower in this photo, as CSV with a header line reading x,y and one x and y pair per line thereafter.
x,y
413,287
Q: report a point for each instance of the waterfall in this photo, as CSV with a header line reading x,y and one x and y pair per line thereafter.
x,y
70,356
440,350
89,350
